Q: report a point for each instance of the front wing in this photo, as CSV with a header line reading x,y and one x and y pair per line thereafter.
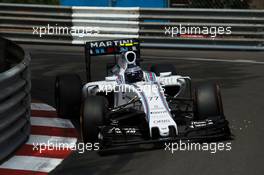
x,y
196,131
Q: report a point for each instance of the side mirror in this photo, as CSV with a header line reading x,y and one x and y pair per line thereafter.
x,y
111,78
165,74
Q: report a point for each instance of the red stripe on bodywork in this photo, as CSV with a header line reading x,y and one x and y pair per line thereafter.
x,y
150,77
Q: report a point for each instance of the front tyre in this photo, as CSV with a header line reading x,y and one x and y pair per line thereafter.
x,y
93,115
68,90
208,102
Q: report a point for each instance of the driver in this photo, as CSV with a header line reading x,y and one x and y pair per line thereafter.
x,y
133,74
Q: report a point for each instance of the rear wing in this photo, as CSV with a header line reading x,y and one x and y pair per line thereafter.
x,y
108,47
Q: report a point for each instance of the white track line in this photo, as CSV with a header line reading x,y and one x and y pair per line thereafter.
x,y
42,107
51,122
31,163
52,141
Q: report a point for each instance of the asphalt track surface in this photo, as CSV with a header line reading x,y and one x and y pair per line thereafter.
x,y
241,77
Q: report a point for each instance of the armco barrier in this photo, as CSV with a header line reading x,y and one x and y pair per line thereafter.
x,y
147,24
247,28
17,22
15,88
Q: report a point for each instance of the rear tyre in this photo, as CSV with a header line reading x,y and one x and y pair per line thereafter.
x,y
208,102
159,68
68,95
93,115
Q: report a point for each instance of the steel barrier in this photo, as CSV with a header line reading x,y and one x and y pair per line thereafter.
x,y
147,24
17,22
15,98
247,27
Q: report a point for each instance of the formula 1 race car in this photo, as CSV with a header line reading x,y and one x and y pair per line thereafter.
x,y
132,106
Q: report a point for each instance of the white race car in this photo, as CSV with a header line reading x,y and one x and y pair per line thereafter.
x,y
133,106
